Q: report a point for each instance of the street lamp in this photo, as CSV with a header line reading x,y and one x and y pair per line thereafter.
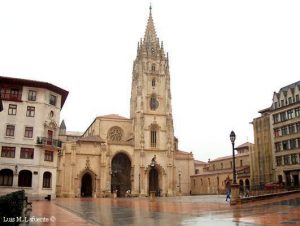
x,y
232,139
139,183
179,181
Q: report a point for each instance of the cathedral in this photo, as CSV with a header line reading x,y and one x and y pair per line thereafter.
x,y
137,155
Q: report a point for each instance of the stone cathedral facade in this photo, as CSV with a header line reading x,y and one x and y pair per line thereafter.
x,y
140,153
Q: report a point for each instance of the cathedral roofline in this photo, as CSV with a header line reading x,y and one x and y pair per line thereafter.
x,y
112,116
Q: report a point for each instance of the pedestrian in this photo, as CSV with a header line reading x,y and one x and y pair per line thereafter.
x,y
227,195
247,192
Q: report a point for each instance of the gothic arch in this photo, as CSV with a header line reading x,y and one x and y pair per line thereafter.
x,y
159,186
87,183
121,170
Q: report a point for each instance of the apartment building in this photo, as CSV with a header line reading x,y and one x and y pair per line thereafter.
x,y
29,129
285,133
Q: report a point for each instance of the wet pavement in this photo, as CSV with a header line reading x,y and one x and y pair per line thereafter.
x,y
185,210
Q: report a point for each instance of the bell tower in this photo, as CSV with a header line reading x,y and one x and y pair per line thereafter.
x,y
150,104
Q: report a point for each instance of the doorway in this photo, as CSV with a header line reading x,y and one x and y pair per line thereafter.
x,y
86,185
120,174
153,181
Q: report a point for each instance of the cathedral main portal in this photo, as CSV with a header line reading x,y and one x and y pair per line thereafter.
x,y
120,176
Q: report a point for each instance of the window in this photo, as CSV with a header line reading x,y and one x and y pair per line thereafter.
x,y
10,130
221,165
8,152
153,82
298,141
12,109
298,127
285,145
153,67
275,118
282,116
284,131
290,100
286,160
282,103
278,161
47,180
297,112
115,134
294,159
277,146
230,164
241,162
196,171
28,132
6,177
214,167
275,105
289,114
293,144
277,132
52,100
49,156
30,111
291,129
32,95
27,153
297,98
153,103
25,178
11,94
153,138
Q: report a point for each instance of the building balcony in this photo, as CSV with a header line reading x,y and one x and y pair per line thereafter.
x,y
11,97
45,141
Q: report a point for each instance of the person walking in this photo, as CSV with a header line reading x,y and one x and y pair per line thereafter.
x,y
227,195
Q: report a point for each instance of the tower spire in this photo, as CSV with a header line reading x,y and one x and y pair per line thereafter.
x,y
150,34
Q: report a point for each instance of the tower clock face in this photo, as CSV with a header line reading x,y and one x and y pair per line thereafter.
x,y
153,103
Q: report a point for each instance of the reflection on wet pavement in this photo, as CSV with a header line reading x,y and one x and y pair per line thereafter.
x,y
189,210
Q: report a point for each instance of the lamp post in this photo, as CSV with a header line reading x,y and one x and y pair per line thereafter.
x,y
232,139
235,198
179,175
139,184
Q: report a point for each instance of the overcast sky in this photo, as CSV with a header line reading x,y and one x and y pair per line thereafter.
x,y
226,59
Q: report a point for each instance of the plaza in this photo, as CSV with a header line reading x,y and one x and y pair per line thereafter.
x,y
184,210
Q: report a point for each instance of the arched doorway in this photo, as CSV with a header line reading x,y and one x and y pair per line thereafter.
x,y
86,185
153,181
25,178
247,184
120,174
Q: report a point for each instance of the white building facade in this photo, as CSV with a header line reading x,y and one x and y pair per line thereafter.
x,y
29,130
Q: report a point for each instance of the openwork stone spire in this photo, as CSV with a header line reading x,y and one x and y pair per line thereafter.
x,y
150,34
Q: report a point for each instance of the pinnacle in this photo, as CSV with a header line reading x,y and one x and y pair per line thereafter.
x,y
150,34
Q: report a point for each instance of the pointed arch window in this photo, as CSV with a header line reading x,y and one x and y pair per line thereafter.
x,y
153,136
153,82
153,103
153,67
115,134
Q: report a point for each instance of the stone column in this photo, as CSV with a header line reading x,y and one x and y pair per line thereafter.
x,y
235,196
